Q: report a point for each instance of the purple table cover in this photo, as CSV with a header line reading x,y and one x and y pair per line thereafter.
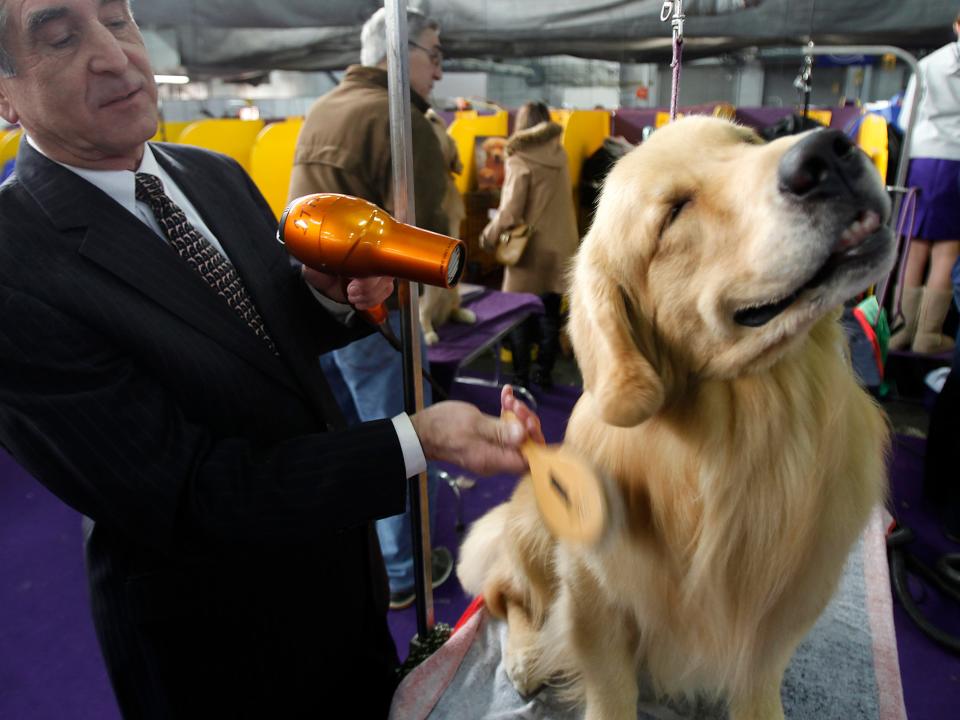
x,y
497,313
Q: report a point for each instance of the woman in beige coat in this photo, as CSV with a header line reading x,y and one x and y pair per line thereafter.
x,y
536,191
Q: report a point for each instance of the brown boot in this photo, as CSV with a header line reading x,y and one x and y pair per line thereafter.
x,y
910,305
929,339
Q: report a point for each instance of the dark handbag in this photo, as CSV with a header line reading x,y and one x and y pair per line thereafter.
x,y
512,244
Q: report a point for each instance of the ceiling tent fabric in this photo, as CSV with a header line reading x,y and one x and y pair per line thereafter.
x,y
223,37
323,13
253,13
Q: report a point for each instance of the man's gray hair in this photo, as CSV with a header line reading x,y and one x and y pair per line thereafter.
x,y
7,68
373,37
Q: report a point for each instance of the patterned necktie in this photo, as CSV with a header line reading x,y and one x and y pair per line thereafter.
x,y
213,267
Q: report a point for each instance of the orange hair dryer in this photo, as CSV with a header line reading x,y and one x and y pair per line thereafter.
x,y
353,238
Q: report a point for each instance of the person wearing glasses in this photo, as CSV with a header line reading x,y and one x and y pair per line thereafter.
x,y
344,147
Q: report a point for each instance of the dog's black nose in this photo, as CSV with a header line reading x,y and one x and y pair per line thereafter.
x,y
820,165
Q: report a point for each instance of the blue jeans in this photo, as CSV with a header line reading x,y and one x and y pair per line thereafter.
x,y
372,373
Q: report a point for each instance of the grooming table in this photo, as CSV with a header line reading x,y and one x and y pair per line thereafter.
x,y
497,314
845,669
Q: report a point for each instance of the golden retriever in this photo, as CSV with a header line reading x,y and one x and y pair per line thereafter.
x,y
740,456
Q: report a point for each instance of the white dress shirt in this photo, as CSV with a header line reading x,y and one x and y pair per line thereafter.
x,y
936,131
121,186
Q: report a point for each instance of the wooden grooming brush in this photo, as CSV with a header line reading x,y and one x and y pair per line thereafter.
x,y
569,493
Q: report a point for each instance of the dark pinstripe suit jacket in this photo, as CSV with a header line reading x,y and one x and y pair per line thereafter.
x,y
232,568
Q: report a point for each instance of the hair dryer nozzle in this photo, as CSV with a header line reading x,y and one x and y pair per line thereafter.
x,y
351,237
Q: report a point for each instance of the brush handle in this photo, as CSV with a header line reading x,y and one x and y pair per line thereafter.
x,y
568,492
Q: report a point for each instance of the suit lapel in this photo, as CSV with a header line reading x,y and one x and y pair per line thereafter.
x,y
230,228
121,244
232,232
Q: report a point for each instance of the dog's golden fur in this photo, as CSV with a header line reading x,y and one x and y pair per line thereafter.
x,y
742,462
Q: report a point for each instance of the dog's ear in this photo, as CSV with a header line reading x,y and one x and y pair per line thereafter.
x,y
622,383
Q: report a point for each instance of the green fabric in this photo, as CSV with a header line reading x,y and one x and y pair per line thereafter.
x,y
877,317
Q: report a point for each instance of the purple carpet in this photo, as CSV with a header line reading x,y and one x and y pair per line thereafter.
x,y
50,666
449,600
931,674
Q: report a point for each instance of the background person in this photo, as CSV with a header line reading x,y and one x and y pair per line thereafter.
x,y
935,170
158,373
344,147
536,190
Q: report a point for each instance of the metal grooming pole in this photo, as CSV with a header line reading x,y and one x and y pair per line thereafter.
x,y
802,83
404,209
672,10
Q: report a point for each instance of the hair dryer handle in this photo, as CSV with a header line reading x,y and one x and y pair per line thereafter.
x,y
375,315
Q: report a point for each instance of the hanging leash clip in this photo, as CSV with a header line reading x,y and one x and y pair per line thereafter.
x,y
802,81
666,10
672,10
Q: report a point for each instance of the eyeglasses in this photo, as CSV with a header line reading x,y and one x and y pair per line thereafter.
x,y
435,55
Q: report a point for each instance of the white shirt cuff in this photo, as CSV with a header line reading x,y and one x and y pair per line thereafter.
x,y
413,458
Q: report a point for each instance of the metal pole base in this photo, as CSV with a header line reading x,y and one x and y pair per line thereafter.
x,y
420,650
457,484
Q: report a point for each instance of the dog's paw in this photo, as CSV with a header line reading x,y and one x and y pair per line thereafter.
x,y
431,338
462,315
520,668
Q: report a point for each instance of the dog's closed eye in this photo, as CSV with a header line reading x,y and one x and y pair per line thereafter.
x,y
676,207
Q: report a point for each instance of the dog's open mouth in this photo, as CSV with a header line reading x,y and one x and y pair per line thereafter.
x,y
856,242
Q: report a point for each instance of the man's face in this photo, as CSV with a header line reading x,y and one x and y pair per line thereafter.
x,y
425,59
83,87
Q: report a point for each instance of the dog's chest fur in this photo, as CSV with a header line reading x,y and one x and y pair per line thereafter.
x,y
739,502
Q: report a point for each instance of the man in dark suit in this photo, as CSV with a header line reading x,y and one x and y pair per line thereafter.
x,y
158,372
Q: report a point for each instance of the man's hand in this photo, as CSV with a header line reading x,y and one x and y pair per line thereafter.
x,y
458,432
362,293
527,417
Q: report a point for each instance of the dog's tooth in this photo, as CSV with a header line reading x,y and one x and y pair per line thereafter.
x,y
847,239
859,230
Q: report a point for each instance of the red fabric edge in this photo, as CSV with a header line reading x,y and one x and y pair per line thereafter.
x,y
886,661
472,608
872,336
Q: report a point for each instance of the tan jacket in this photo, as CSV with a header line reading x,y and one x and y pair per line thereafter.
x,y
344,147
536,190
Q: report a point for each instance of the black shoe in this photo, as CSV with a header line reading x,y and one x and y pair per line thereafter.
x,y
441,564
402,600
